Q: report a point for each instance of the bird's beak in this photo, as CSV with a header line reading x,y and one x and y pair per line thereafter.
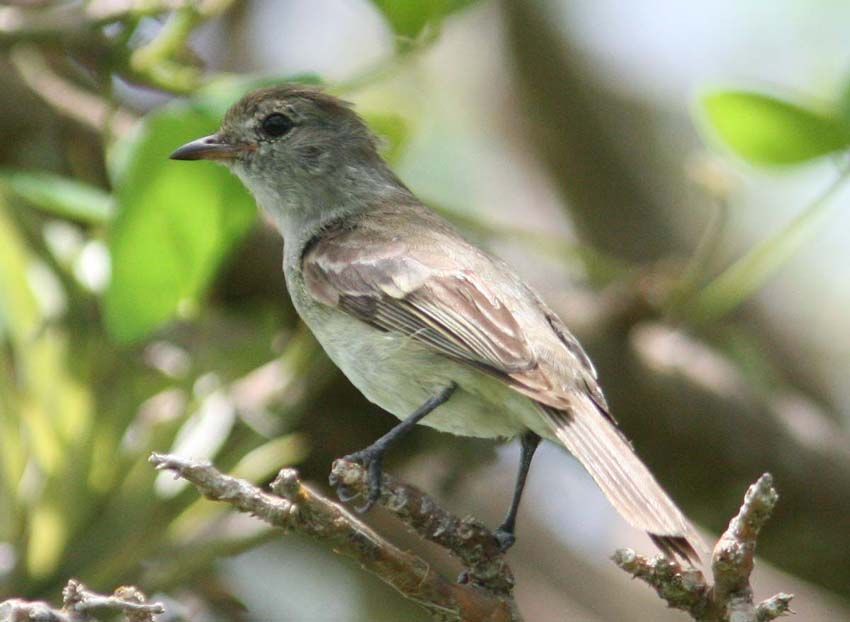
x,y
212,147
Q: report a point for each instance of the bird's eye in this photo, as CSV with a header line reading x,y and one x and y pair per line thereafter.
x,y
276,125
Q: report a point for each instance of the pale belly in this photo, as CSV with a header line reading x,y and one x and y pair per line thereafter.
x,y
399,375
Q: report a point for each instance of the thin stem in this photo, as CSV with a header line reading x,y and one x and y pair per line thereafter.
x,y
750,272
168,41
154,62
700,262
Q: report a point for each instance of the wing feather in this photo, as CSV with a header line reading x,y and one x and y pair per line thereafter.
x,y
451,311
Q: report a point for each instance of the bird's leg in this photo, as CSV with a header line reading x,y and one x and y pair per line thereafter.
x,y
505,532
372,457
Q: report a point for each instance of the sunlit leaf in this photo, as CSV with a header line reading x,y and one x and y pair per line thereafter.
x,y
176,222
19,311
52,408
766,130
47,536
62,196
409,19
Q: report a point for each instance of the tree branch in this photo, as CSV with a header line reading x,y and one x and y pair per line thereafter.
x,y
80,605
730,599
296,507
466,538
487,594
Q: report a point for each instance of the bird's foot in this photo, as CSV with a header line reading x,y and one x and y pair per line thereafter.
x,y
505,537
372,459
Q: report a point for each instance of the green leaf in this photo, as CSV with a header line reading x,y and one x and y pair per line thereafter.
x,y
176,223
766,130
59,195
408,19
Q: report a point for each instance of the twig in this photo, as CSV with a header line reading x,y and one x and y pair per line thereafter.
x,y
78,27
745,276
731,597
465,538
734,555
79,605
74,21
155,63
298,508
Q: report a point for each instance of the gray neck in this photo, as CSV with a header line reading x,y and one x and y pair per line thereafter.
x,y
302,204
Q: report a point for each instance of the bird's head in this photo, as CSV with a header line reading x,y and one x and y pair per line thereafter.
x,y
280,140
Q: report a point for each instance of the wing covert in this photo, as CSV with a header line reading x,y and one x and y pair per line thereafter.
x,y
392,289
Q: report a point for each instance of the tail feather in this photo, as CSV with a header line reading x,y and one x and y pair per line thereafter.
x,y
595,441
675,546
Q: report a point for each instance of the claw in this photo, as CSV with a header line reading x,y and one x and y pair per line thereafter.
x,y
344,493
362,509
372,461
505,538
376,476
371,500
371,457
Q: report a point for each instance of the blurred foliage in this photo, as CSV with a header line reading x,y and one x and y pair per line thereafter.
x,y
765,130
175,225
748,274
63,197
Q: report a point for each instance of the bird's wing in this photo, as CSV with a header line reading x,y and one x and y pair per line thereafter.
x,y
437,292
449,308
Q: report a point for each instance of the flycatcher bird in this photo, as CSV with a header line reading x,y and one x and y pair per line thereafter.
x,y
428,326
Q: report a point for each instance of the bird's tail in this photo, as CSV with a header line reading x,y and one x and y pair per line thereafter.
x,y
593,438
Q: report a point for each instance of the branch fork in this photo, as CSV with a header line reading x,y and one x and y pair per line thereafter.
x,y
296,507
730,598
80,604
485,592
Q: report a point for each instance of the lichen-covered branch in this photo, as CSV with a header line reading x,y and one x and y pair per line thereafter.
x,y
466,538
730,598
295,507
81,605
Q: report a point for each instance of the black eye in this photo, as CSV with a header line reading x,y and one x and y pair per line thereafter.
x,y
276,125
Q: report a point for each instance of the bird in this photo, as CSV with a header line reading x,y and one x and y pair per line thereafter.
x,y
425,324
